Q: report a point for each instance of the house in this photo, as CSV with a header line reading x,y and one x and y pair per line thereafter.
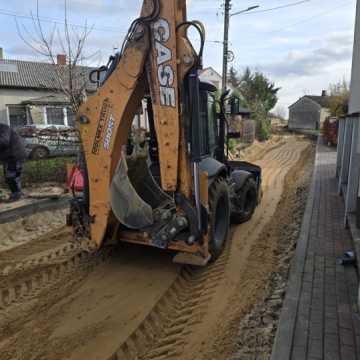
x,y
30,93
309,112
212,76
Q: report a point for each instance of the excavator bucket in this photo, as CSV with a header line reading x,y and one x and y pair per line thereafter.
x,y
129,208
135,193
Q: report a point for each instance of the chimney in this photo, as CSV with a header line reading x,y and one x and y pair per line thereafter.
x,y
324,93
1,53
61,59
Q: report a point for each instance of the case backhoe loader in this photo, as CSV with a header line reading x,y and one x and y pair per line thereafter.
x,y
176,189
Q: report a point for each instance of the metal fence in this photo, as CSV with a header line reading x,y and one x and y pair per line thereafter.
x,y
248,131
243,126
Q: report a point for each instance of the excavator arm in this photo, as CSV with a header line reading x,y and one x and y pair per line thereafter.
x,y
155,59
164,84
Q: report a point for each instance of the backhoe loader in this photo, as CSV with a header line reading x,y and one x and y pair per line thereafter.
x,y
176,188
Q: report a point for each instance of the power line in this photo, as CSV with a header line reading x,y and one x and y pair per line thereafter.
x,y
279,7
311,18
316,16
57,21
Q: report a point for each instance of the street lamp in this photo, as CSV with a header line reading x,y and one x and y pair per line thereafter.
x,y
226,37
246,10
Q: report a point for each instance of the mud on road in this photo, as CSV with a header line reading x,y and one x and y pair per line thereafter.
x,y
132,302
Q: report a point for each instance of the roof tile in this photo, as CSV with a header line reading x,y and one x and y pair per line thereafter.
x,y
35,75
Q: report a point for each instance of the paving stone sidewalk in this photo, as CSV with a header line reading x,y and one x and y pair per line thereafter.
x,y
319,319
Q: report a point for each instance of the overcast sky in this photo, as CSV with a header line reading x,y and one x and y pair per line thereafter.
x,y
301,48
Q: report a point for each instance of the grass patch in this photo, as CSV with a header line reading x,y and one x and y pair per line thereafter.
x,y
41,171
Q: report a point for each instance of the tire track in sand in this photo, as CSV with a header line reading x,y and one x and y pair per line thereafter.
x,y
249,265
147,308
195,311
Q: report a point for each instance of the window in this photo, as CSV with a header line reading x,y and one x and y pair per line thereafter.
x,y
203,136
37,114
17,115
55,115
208,118
212,122
70,117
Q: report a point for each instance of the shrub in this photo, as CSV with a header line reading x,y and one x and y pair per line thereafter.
x,y
233,143
263,129
46,170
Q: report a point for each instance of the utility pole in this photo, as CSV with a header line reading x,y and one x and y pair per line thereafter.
x,y
226,43
227,15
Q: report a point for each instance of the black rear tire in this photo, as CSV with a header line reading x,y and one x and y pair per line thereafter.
x,y
219,218
247,197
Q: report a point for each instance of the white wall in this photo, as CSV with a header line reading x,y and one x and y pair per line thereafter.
x,y
14,97
209,75
324,113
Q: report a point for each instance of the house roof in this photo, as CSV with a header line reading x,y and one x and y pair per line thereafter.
x,y
203,71
36,75
323,101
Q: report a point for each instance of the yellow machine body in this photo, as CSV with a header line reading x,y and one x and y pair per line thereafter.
x,y
156,60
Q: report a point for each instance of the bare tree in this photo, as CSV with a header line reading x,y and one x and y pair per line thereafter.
x,y
338,102
281,112
71,78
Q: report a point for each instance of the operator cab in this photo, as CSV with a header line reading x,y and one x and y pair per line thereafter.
x,y
209,128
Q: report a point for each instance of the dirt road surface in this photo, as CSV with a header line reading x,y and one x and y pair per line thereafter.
x,y
33,227
129,302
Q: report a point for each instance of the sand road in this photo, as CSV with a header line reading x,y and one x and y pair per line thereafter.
x,y
133,302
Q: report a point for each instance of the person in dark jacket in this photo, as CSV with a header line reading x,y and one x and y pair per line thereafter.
x,y
12,155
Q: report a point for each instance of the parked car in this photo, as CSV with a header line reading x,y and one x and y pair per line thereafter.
x,y
47,141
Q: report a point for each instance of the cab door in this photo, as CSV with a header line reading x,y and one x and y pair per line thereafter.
x,y
209,126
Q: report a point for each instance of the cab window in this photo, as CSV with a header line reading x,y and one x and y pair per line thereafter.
x,y
208,136
212,122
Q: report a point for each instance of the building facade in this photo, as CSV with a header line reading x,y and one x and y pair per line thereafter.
x,y
212,76
19,107
30,93
309,112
